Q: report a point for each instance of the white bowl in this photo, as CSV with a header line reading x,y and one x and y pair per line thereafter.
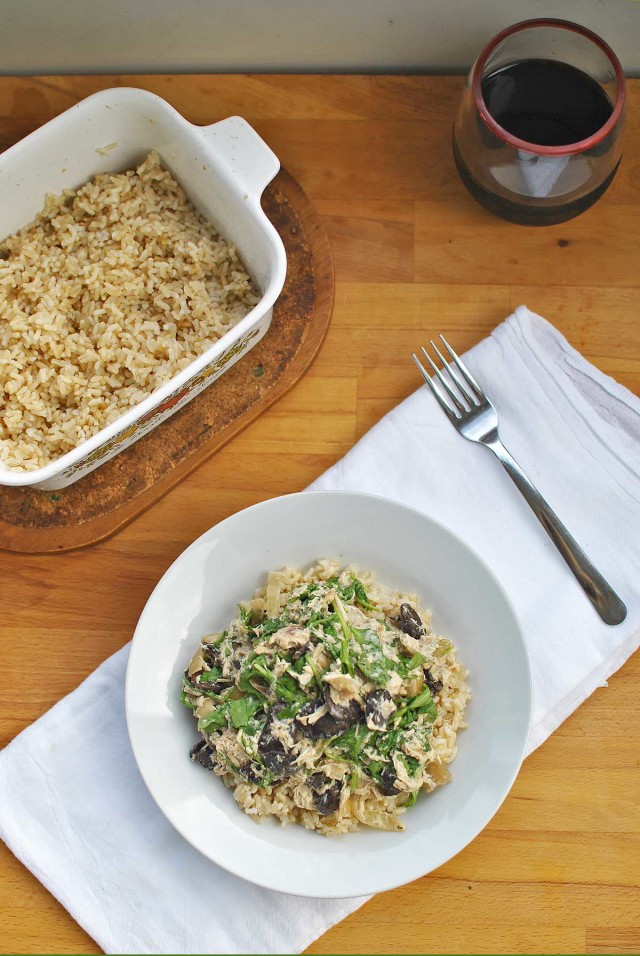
x,y
223,168
406,549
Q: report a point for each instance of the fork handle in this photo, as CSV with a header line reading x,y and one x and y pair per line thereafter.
x,y
604,599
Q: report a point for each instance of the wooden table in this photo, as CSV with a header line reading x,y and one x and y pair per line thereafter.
x,y
557,868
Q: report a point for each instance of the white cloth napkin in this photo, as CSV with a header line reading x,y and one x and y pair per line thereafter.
x,y
74,808
576,432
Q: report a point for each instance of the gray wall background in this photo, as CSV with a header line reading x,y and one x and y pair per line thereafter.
x,y
155,36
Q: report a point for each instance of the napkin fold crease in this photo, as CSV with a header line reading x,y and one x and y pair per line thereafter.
x,y
73,806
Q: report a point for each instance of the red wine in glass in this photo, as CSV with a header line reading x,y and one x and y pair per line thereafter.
x,y
537,140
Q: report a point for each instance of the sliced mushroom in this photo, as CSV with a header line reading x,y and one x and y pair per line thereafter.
x,y
326,793
342,697
204,754
211,654
327,724
251,772
272,750
378,707
388,779
409,621
434,685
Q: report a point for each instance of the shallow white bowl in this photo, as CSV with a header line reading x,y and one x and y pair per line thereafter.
x,y
406,549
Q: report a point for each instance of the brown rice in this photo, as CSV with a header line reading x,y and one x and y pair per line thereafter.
x,y
111,291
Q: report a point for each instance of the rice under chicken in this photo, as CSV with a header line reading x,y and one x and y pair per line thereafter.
x,y
329,702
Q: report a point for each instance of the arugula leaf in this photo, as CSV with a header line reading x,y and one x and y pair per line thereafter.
x,y
423,703
370,657
288,689
388,741
271,625
242,709
347,592
187,703
404,667
290,711
345,654
214,674
374,769
213,721
361,595
353,740
307,593
411,799
411,765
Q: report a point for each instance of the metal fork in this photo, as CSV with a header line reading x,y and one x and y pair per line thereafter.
x,y
470,411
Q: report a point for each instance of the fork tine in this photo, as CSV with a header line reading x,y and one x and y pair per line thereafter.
x,y
470,399
441,400
450,392
465,371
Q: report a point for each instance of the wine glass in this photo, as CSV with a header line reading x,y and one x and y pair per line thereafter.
x,y
538,136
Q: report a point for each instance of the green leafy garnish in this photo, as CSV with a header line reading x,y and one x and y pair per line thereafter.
x,y
411,765
242,709
209,676
370,657
352,741
271,625
361,595
345,653
423,703
187,703
404,667
213,721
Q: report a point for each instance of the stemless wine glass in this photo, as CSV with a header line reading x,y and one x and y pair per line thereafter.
x,y
538,136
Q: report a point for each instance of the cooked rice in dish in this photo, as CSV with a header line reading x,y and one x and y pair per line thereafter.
x,y
329,701
112,290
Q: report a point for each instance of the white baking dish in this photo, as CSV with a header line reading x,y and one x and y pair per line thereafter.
x,y
223,168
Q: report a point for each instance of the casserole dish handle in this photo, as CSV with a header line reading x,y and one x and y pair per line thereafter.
x,y
244,154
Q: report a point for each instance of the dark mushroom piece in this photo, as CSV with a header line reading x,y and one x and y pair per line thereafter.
x,y
374,709
215,685
326,793
409,621
211,655
351,712
387,781
251,772
329,725
273,752
434,685
203,754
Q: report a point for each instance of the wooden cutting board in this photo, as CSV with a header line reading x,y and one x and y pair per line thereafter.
x,y
95,507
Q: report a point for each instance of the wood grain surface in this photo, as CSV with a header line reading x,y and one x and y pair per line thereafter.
x,y
557,868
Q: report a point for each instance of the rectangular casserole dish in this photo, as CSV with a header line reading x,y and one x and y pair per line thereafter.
x,y
223,168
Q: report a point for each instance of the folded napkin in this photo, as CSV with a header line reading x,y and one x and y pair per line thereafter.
x,y
74,808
